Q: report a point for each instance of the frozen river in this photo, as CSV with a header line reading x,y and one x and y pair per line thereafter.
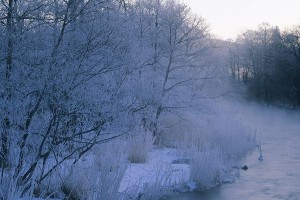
x,y
278,175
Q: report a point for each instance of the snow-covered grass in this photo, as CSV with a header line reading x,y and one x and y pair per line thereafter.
x,y
138,146
159,188
219,130
156,177
230,135
179,132
204,148
214,143
98,176
224,143
154,188
11,190
207,167
95,176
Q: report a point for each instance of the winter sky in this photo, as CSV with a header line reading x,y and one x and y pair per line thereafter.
x,y
228,18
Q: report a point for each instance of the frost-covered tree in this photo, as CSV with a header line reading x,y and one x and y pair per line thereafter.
x,y
181,70
62,68
77,73
171,56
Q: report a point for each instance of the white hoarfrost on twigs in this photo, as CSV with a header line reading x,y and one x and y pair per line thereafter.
x,y
203,156
203,153
98,176
139,145
207,168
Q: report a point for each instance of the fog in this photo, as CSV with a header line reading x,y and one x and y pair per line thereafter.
x,y
277,176
139,100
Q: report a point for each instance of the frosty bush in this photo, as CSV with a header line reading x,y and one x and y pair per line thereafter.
x,y
230,135
98,176
206,167
11,190
179,132
138,147
213,143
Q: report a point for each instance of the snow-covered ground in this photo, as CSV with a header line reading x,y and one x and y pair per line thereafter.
x,y
209,152
198,155
161,168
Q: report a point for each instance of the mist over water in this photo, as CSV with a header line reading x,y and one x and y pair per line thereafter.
x,y
278,175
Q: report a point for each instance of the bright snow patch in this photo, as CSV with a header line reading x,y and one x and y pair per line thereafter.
x,y
158,170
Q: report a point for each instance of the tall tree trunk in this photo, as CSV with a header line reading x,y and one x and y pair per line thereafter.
x,y
6,121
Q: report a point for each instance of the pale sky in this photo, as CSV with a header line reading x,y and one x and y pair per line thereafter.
x,y
228,18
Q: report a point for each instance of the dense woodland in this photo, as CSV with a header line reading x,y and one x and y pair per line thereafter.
x,y
78,73
267,61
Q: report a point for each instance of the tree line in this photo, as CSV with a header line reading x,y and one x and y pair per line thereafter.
x,y
267,61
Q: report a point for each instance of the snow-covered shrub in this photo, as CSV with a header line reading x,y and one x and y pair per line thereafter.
x,y
52,184
177,132
230,135
11,190
206,167
138,146
190,141
98,176
222,143
214,143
